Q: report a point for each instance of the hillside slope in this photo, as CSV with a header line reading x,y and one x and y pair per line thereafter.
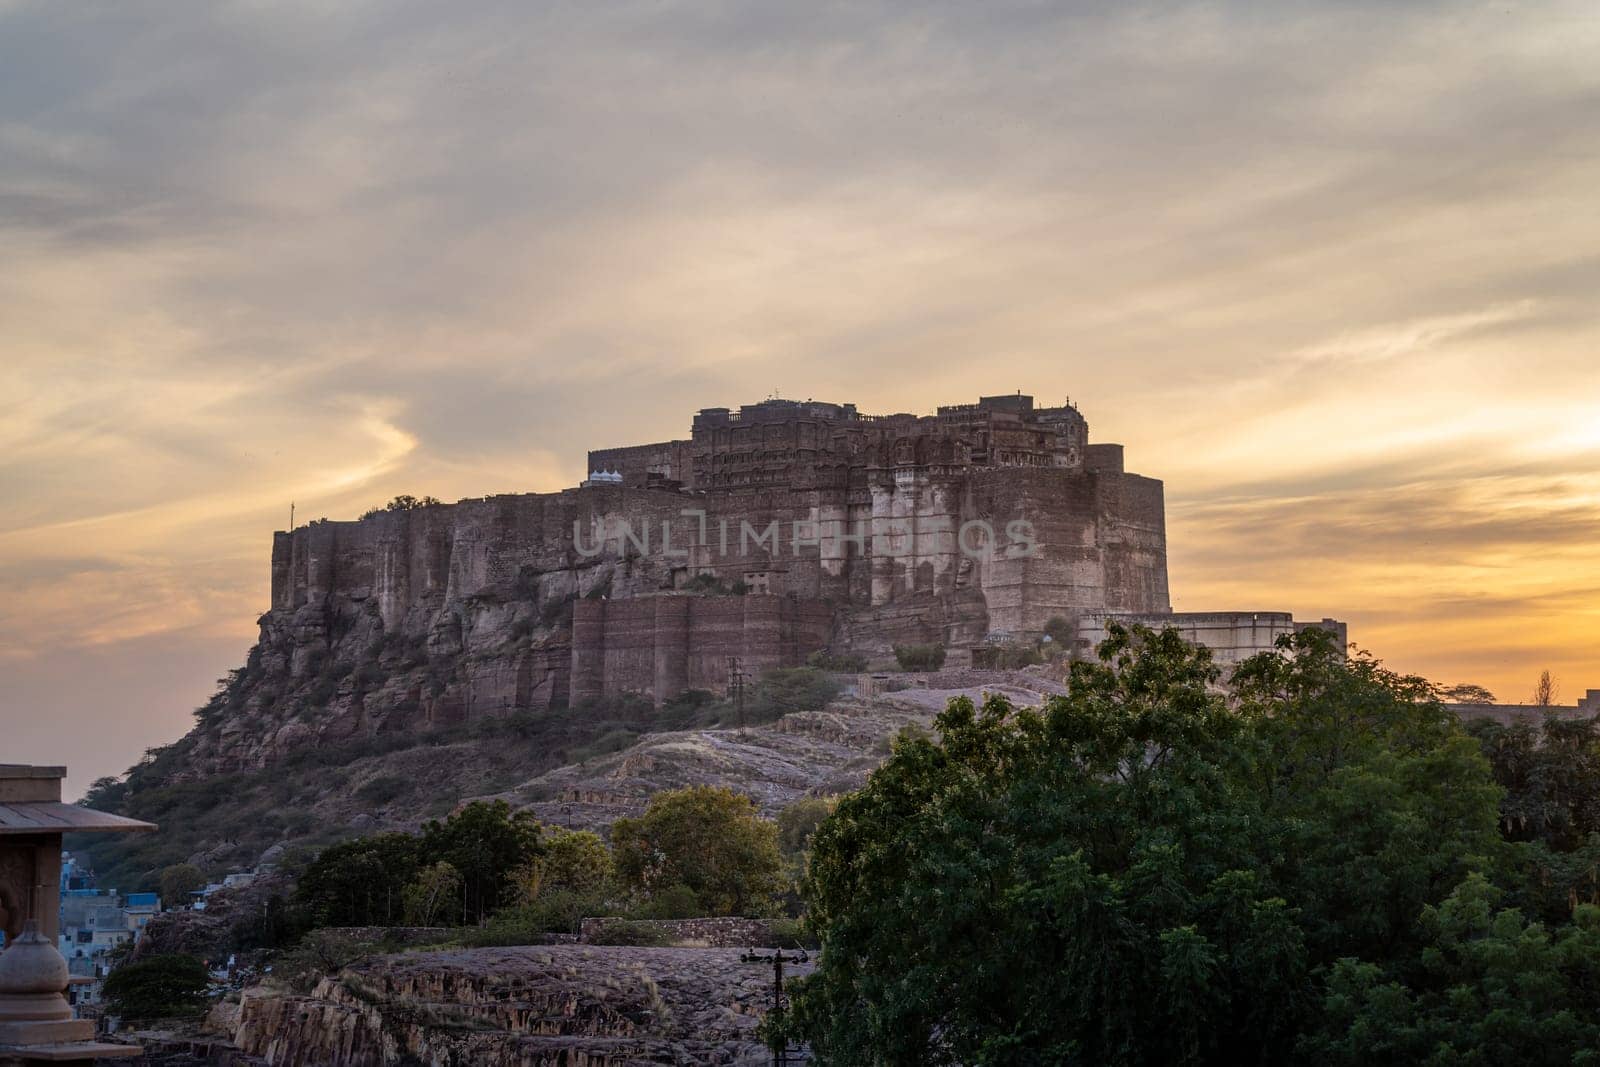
x,y
567,767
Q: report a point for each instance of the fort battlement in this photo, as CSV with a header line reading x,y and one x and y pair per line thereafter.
x,y
844,530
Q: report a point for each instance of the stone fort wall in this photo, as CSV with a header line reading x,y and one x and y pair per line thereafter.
x,y
854,532
662,645
1232,636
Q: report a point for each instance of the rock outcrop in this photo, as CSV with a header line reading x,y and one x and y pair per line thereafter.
x,y
815,753
573,1005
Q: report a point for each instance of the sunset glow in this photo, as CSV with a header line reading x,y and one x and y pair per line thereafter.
x,y
1329,271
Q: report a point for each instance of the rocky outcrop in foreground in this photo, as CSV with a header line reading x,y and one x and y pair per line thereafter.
x,y
569,1005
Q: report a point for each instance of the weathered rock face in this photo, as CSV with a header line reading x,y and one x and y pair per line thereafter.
x,y
807,753
208,934
572,1005
721,931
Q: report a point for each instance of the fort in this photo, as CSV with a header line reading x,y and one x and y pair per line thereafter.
x,y
771,532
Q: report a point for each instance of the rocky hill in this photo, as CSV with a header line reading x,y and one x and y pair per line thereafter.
x,y
816,753
569,768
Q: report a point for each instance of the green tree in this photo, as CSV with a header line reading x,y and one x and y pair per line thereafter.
x,y
403,502
1466,693
1384,799
571,878
800,820
434,892
487,842
1490,987
158,987
707,838
178,881
359,882
1550,771
570,861
997,894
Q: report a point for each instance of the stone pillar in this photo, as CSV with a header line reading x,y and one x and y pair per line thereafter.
x,y
36,1023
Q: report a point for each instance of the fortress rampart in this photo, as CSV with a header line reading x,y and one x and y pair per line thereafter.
x,y
662,645
847,531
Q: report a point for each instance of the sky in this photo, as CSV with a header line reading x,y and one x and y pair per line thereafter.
x,y
1329,270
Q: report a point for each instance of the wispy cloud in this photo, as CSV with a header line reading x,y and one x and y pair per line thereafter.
x,y
1351,352
1327,269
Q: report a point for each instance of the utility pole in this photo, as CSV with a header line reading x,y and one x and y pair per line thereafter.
x,y
736,678
291,516
780,1055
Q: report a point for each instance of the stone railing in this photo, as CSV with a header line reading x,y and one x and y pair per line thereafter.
x,y
720,932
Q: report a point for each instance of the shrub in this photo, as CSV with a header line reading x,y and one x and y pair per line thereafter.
x,y
675,901
1006,657
158,987
557,610
319,954
403,502
843,662
705,582
790,933
919,657
178,881
607,743
508,926
783,690
532,923
370,676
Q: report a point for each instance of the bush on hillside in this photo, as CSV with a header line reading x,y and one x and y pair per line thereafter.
x,y
919,657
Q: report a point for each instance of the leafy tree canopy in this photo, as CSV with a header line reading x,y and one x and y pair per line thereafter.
x,y
404,502
1148,871
435,891
800,820
158,987
571,861
359,882
486,842
178,881
706,838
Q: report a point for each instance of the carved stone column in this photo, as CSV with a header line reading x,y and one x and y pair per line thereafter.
x,y
36,1023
